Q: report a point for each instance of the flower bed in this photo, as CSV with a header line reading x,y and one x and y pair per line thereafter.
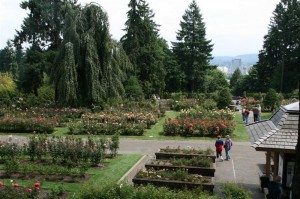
x,y
200,122
195,165
178,179
169,153
123,122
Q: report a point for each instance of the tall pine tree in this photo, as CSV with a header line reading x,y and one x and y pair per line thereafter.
x,y
143,47
192,49
279,60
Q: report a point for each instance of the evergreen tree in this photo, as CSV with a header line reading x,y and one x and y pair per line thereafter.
x,y
279,61
8,60
144,48
31,79
192,49
44,23
235,78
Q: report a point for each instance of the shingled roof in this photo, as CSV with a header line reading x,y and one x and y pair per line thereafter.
x,y
279,133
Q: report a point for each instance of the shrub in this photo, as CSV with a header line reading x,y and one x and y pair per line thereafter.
x,y
129,191
234,191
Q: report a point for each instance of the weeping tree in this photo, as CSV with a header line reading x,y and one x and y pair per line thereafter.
x,y
90,63
67,86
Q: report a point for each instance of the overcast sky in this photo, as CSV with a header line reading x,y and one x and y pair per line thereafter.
x,y
235,26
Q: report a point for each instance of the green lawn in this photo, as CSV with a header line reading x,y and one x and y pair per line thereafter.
x,y
240,133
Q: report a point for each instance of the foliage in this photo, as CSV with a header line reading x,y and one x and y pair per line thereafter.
x,y
187,150
200,122
224,98
192,49
278,63
39,124
144,47
13,191
135,192
67,151
133,89
31,78
8,60
215,80
43,25
178,175
233,191
7,85
89,51
194,161
271,100
108,122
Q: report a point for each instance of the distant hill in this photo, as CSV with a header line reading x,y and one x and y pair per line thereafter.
x,y
247,60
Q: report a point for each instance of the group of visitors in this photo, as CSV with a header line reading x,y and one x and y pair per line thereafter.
x,y
256,114
220,144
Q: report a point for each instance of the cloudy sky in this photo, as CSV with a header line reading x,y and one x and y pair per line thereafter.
x,y
235,26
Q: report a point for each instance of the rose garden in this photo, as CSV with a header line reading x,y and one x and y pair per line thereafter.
x,y
61,152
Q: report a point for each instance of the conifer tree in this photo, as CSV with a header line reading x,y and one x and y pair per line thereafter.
x,y
142,45
278,65
192,49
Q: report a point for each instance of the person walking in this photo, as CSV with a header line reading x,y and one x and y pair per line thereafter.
x,y
259,112
227,147
219,147
246,114
255,113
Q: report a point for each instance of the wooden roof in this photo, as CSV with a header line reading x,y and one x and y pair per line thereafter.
x,y
279,133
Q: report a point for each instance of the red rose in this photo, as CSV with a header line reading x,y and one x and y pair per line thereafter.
x,y
1,184
16,185
37,184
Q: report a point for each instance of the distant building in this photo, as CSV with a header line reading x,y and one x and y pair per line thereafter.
x,y
236,63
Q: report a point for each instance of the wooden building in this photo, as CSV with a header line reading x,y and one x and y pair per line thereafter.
x,y
277,137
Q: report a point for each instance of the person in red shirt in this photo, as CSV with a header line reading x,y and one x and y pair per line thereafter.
x,y
219,147
246,114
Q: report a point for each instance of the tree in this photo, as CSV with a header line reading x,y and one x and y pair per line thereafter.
x,y
144,47
270,99
44,23
224,98
279,60
8,60
67,85
7,85
91,66
235,78
31,78
215,80
192,49
133,89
